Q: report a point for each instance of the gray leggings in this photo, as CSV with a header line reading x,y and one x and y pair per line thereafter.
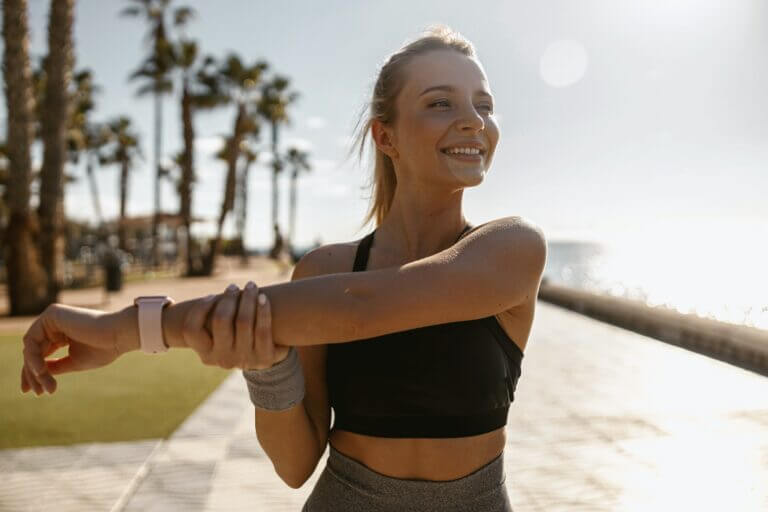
x,y
346,485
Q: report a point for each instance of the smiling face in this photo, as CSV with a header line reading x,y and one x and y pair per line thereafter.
x,y
445,102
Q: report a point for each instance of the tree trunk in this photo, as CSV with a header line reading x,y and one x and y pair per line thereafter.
x,y
187,178
277,246
27,282
94,189
233,152
292,210
242,214
158,147
54,115
123,187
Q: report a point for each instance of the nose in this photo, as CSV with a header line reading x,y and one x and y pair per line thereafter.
x,y
471,119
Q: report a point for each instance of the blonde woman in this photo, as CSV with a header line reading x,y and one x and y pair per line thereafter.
x,y
414,334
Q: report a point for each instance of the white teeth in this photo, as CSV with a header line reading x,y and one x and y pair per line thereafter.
x,y
465,151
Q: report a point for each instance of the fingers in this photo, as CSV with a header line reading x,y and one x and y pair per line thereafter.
x,y
35,344
246,316
63,365
264,347
25,384
223,352
32,383
193,331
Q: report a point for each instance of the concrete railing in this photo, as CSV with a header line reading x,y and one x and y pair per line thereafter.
x,y
742,346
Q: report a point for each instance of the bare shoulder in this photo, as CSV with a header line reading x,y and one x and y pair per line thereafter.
x,y
512,239
508,232
326,259
521,228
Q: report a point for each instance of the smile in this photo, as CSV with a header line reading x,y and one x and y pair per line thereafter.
x,y
463,157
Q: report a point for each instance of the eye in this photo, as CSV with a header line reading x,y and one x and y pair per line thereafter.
x,y
489,108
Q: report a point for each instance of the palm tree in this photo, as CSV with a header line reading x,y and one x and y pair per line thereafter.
x,y
85,137
297,159
27,280
96,137
249,156
199,90
185,58
53,125
123,150
236,83
273,107
155,69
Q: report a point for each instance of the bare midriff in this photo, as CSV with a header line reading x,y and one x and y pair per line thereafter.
x,y
421,458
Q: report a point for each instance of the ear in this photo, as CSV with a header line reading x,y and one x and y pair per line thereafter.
x,y
382,136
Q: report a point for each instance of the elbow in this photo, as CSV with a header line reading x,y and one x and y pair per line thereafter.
x,y
296,480
294,484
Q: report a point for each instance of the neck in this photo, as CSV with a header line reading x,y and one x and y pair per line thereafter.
x,y
417,229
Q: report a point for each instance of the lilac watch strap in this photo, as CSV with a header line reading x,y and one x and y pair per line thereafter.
x,y
150,322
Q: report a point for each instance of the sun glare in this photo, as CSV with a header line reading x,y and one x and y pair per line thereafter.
x,y
563,63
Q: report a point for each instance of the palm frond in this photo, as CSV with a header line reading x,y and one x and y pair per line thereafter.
x,y
186,54
182,15
131,12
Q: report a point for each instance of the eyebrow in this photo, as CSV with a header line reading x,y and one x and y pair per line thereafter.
x,y
450,89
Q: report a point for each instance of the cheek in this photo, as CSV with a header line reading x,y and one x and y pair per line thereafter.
x,y
432,125
493,130
423,135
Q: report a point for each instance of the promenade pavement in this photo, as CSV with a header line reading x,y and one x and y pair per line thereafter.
x,y
604,420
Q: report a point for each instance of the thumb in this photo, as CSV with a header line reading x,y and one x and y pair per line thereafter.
x,y
64,364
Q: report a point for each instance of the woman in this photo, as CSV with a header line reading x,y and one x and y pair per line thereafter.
x,y
413,334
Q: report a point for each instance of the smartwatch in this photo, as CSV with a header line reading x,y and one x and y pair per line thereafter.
x,y
150,322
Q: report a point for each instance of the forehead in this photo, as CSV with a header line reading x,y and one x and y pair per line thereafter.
x,y
443,67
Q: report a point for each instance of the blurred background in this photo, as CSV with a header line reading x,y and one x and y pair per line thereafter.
x,y
176,146
634,134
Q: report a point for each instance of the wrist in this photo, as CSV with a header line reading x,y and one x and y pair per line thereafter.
x,y
173,322
124,326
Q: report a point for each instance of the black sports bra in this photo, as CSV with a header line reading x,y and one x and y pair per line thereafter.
x,y
454,379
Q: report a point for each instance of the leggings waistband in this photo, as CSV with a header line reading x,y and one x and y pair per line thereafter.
x,y
485,480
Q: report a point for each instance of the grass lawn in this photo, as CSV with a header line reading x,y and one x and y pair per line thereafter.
x,y
139,396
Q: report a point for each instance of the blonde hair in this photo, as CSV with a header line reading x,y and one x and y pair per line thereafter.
x,y
388,84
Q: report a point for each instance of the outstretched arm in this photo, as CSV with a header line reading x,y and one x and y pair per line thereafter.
x,y
489,271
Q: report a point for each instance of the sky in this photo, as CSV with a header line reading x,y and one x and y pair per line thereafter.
x,y
618,120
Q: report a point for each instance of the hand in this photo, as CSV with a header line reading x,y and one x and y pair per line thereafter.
x,y
90,345
240,336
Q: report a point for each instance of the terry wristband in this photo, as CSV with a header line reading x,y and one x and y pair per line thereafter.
x,y
278,387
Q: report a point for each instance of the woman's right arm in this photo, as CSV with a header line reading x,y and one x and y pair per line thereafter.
x,y
295,439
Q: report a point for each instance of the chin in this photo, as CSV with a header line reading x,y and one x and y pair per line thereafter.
x,y
470,178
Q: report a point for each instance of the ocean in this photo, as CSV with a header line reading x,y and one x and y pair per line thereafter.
x,y
726,281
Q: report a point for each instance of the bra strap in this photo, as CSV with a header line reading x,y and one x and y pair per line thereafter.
x,y
469,226
363,248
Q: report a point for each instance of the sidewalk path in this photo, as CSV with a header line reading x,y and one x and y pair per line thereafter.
x,y
604,420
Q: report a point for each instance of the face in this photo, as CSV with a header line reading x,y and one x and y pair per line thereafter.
x,y
445,102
